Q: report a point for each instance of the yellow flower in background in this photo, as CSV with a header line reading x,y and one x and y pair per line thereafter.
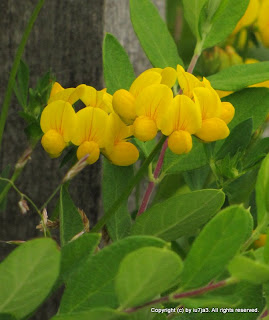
x,y
261,241
151,106
118,150
58,122
250,15
263,22
182,119
124,101
90,133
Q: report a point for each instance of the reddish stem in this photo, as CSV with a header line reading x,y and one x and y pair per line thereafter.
x,y
151,184
182,295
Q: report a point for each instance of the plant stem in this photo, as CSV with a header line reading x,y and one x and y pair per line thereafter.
x,y
182,295
151,184
11,80
255,235
193,62
129,187
50,197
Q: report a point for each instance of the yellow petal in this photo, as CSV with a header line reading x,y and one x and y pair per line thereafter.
x,y
97,99
223,94
62,95
91,126
145,128
104,101
53,143
144,80
89,96
250,15
187,81
212,130
77,94
124,154
124,105
169,76
154,101
208,101
180,142
60,116
227,113
116,131
184,115
56,88
91,148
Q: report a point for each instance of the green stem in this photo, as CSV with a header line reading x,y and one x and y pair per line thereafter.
x,y
9,185
51,197
129,188
11,80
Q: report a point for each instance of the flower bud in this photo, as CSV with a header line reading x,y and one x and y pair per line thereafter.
x,y
123,105
124,154
53,143
261,241
227,113
91,148
180,142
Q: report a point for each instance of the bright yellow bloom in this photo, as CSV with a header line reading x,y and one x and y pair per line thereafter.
x,y
182,119
70,95
151,106
187,81
124,101
118,149
263,22
90,133
250,15
58,122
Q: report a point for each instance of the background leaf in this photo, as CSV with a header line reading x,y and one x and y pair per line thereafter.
x,y
70,220
95,314
118,70
145,273
21,87
87,290
241,76
262,187
215,246
153,34
27,276
179,215
115,179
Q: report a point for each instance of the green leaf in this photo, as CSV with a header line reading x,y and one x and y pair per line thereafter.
x,y
70,219
266,250
27,276
6,316
224,20
153,34
146,273
75,252
118,70
196,178
86,290
196,158
21,87
211,301
262,197
256,152
33,133
4,174
145,147
192,13
239,138
115,179
240,76
250,103
179,215
252,271
94,314
215,246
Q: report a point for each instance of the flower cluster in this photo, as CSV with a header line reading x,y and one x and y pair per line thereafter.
x,y
256,17
106,122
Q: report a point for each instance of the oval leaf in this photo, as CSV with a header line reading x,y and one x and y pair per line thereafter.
x,y
153,34
118,70
94,314
27,276
179,215
86,289
216,245
146,273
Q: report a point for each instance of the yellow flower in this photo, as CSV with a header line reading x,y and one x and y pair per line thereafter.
x,y
250,15
182,119
90,133
124,101
70,95
263,22
151,106
187,81
261,241
58,122
118,149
